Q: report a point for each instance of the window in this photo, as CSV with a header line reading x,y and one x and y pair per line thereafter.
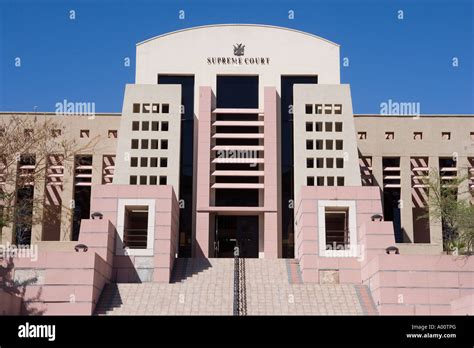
x,y
309,144
153,180
338,126
136,109
446,135
320,180
154,162
145,125
339,144
340,181
135,125
319,144
164,144
142,180
162,180
328,126
310,181
417,135
112,134
389,135
154,144
309,108
319,126
155,108
133,180
337,229
143,162
337,109
329,162
327,109
163,162
135,234
319,109
154,126
84,133
339,162
165,108
330,180
319,162
134,144
329,144
55,133
134,162
309,126
309,163
164,126
362,135
144,143
146,108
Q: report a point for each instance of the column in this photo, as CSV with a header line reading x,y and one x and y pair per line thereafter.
x,y
406,205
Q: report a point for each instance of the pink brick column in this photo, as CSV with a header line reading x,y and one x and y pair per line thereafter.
x,y
272,230
201,245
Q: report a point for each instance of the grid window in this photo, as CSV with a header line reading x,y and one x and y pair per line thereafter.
x,y
327,109
309,108
143,161
309,126
134,144
330,180
338,126
320,181
84,133
153,180
154,126
163,162
319,126
337,109
319,162
154,162
389,136
319,144
417,135
164,144
328,126
309,145
144,143
145,125
339,162
328,144
134,162
135,125
133,180
446,135
310,181
309,163
112,134
163,180
329,162
136,110
362,135
164,126
142,180
146,108
154,144
319,109
340,181
165,108
339,144
155,108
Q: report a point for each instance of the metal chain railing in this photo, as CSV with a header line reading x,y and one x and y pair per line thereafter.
x,y
240,295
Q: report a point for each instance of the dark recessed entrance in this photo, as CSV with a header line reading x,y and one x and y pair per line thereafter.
x,y
232,231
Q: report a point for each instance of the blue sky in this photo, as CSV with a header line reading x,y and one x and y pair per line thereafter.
x,y
409,60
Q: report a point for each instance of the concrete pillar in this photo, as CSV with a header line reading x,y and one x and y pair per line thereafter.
x,y
38,210
272,244
406,205
7,232
201,242
377,172
67,196
463,172
436,231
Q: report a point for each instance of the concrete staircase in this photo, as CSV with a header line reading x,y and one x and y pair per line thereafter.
x,y
205,287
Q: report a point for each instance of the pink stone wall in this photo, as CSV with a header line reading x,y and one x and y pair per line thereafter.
x,y
463,305
128,268
10,304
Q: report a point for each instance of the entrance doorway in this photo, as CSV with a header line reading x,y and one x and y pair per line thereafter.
x,y
234,230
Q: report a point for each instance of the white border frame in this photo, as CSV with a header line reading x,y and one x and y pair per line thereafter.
x,y
122,203
353,249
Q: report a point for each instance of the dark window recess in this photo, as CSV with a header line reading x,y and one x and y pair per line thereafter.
x,y
286,100
237,92
186,158
236,198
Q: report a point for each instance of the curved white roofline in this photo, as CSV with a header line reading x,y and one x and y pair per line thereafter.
x,y
233,25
